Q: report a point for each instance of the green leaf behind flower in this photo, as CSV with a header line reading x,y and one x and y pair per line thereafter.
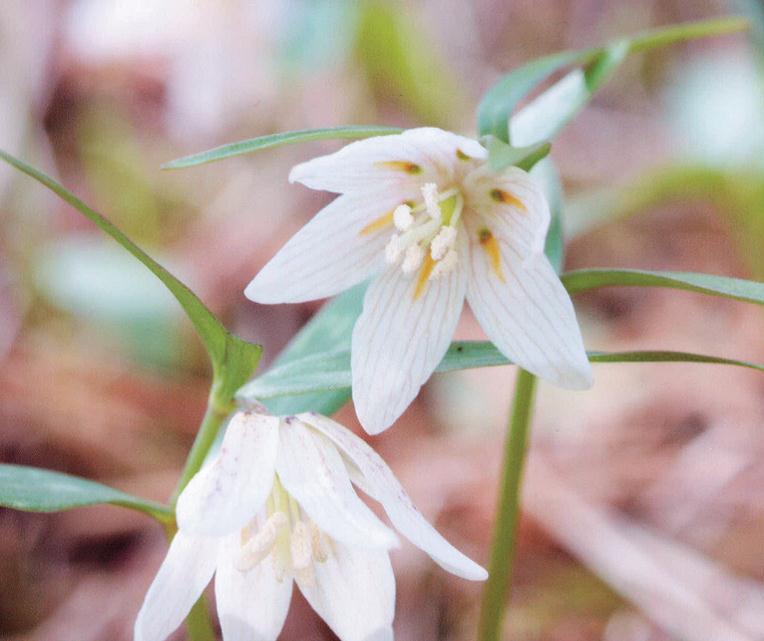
x,y
329,373
33,489
276,140
735,288
233,359
599,63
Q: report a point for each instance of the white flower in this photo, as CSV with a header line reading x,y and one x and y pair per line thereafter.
x,y
465,231
277,505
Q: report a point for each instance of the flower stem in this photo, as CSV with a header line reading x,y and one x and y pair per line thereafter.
x,y
198,622
503,545
213,418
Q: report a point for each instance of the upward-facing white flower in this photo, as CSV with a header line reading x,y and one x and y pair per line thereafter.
x,y
276,506
425,212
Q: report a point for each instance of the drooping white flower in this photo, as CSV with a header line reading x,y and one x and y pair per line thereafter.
x,y
277,505
424,213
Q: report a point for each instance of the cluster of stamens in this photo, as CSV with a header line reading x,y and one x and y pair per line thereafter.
x,y
427,232
287,536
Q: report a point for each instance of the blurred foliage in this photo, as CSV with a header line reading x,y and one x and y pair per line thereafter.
x,y
402,64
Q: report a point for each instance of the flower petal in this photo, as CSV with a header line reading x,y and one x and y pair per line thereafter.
x,y
401,162
512,198
226,494
252,605
182,577
378,480
341,246
354,592
312,471
398,341
521,305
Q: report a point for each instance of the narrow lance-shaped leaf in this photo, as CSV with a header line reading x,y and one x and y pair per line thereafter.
x,y
500,101
33,489
233,360
328,331
330,372
276,140
735,288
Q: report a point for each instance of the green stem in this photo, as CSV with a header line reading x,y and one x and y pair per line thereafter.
x,y
216,413
503,545
198,622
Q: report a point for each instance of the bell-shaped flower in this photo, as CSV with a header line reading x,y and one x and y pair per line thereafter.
x,y
277,505
424,214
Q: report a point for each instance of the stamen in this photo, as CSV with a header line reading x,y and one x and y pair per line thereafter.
x,y
442,242
445,265
260,545
430,194
317,544
413,259
402,217
424,275
301,547
393,249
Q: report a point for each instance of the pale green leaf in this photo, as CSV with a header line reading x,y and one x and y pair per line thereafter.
x,y
330,372
32,489
276,140
500,100
328,331
233,360
734,288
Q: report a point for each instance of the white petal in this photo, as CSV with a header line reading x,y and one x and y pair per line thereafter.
x,y
331,253
398,341
226,494
525,228
378,480
312,471
185,571
354,592
251,605
378,163
526,312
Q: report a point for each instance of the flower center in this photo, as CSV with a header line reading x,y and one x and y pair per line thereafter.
x,y
293,541
426,238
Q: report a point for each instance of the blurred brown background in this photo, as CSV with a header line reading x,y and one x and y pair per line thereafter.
x,y
644,499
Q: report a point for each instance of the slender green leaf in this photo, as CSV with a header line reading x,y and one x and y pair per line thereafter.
x,y
330,372
500,100
32,489
233,360
276,140
328,331
734,288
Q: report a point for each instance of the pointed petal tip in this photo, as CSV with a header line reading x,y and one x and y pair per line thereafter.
x,y
294,174
261,291
576,377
